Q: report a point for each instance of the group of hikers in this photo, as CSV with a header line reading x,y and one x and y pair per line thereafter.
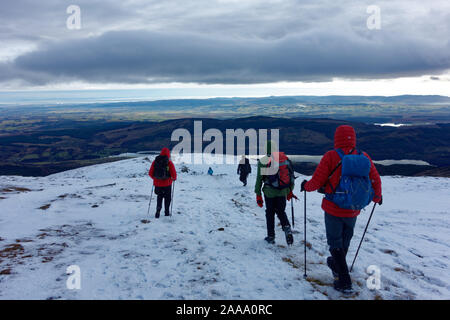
x,y
346,176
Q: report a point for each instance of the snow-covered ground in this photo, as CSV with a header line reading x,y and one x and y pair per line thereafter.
x,y
212,247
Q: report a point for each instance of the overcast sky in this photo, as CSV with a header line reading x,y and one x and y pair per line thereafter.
x,y
324,45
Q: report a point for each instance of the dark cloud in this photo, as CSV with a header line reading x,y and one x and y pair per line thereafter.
x,y
142,56
224,41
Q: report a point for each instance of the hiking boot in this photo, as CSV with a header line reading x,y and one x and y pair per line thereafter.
x,y
344,284
157,214
167,214
270,240
289,237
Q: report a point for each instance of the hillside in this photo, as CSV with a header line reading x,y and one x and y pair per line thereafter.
x,y
212,247
53,149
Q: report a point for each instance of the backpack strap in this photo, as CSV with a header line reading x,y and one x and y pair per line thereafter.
x,y
341,155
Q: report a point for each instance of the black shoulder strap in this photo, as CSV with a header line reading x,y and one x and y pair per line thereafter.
x,y
290,165
291,169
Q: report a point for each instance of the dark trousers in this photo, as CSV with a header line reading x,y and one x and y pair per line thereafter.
x,y
276,206
243,177
339,231
166,194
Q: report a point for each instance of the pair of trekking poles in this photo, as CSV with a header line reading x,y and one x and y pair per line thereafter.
x,y
171,199
304,231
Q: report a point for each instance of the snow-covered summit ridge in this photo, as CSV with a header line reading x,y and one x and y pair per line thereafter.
x,y
212,247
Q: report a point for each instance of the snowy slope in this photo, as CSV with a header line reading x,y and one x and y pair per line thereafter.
x,y
94,221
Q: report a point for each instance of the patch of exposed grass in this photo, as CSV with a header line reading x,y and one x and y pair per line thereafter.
x,y
49,251
317,281
12,251
292,263
45,207
389,251
6,271
308,244
47,259
23,240
42,235
14,189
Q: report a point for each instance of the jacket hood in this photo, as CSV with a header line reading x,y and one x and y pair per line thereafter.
x,y
344,137
279,157
165,152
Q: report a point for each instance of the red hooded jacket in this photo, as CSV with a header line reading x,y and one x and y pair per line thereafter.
x,y
344,139
172,171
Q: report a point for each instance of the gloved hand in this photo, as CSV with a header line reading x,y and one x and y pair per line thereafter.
x,y
259,201
381,201
290,196
302,188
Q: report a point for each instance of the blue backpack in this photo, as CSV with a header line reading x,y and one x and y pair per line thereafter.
x,y
354,190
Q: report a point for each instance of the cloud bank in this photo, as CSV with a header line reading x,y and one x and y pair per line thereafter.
x,y
228,42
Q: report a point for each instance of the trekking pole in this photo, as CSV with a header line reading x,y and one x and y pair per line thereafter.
x,y
304,231
370,217
171,202
150,202
292,212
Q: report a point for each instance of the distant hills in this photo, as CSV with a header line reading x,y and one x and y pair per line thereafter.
x,y
47,138
49,150
119,98
334,99
405,109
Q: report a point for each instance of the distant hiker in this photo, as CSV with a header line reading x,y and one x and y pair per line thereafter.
x,y
336,171
163,173
210,171
244,169
276,188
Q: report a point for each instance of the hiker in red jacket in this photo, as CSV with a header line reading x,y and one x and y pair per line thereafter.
x,y
339,223
163,173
